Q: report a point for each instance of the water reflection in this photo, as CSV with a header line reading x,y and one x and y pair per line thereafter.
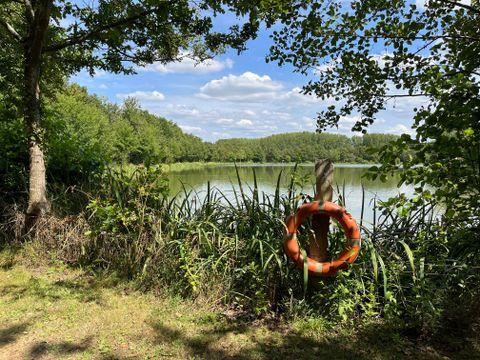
x,y
348,179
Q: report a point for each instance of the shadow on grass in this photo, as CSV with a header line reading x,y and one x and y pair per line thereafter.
x,y
370,342
214,345
59,348
86,290
81,289
11,333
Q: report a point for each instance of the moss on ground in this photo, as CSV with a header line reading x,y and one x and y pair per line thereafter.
x,y
54,312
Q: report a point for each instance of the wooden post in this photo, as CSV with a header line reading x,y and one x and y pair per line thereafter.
x,y
320,222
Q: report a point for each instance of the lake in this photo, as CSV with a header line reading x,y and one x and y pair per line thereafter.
x,y
348,178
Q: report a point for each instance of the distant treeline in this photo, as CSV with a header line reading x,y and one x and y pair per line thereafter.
x,y
301,147
85,131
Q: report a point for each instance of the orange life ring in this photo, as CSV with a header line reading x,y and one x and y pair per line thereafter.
x,y
352,232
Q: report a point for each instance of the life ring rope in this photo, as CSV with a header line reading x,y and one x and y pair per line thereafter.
x,y
352,244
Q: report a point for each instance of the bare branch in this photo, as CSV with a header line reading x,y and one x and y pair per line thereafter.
x,y
11,30
78,39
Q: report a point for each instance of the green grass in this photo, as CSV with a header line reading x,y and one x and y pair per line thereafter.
x,y
54,312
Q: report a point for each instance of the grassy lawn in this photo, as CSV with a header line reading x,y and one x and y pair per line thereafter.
x,y
53,312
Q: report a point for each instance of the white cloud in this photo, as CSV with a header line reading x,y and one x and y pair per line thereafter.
x,y
278,115
421,4
309,122
330,65
349,120
192,129
182,110
295,96
221,113
245,123
399,129
293,125
144,95
99,73
190,65
380,59
248,87
403,103
252,88
224,121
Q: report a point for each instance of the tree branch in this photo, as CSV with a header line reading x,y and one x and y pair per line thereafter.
x,y
459,4
392,96
78,39
11,30
344,35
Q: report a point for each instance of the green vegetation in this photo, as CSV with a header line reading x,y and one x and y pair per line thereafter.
x,y
85,133
45,41
417,275
185,166
302,147
228,252
373,52
228,255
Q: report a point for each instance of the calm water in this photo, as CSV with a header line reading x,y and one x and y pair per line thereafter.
x,y
348,177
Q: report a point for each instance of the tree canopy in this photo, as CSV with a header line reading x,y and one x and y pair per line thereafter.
x,y
58,38
367,53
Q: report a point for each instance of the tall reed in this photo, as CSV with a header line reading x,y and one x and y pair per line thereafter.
x,y
227,249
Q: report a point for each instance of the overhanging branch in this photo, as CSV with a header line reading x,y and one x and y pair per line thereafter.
x,y
78,39
393,96
459,4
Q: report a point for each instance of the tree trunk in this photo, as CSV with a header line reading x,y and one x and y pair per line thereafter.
x,y
33,45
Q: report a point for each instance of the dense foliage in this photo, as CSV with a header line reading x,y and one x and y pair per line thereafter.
x,y
302,147
367,53
84,133
43,41
228,252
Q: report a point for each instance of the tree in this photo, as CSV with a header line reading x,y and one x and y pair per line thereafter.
x,y
58,38
366,53
78,135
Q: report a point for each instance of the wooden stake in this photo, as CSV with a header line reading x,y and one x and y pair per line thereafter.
x,y
320,222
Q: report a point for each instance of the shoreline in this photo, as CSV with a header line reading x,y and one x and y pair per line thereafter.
x,y
184,166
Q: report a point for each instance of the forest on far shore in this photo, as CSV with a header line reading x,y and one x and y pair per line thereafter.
x,y
91,132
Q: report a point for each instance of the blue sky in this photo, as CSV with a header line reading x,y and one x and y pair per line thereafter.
x,y
234,96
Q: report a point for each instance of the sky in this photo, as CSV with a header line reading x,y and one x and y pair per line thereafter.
x,y
234,96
